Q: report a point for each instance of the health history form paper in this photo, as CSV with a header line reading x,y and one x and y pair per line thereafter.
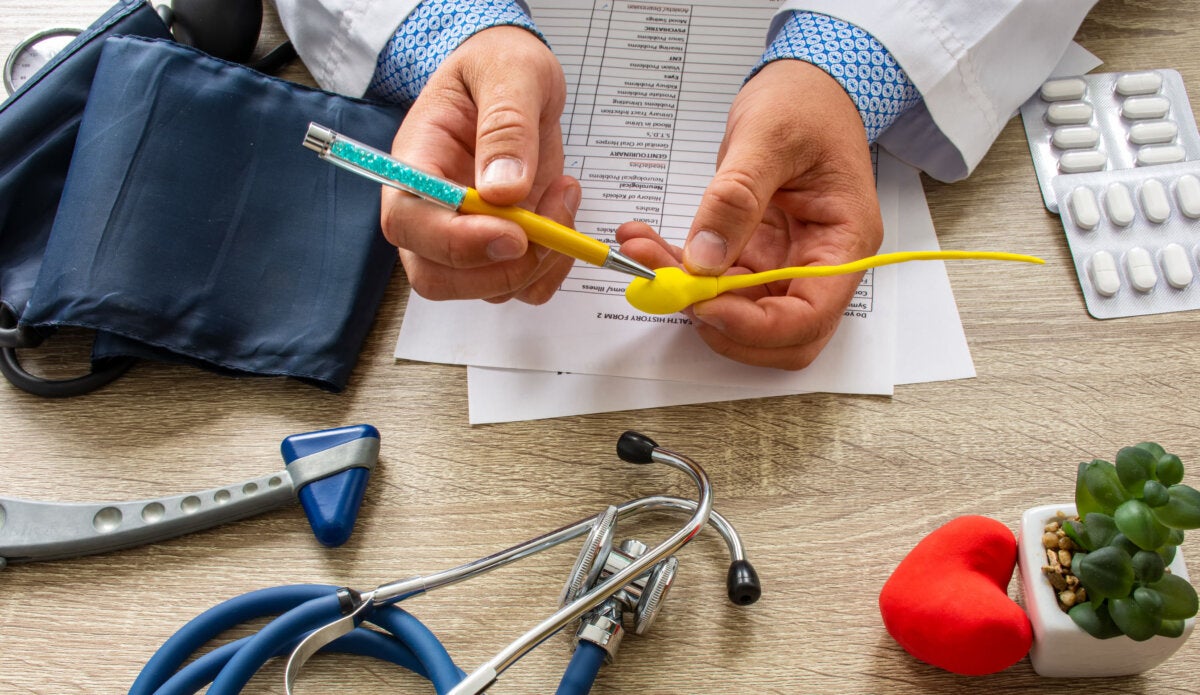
x,y
930,342
649,87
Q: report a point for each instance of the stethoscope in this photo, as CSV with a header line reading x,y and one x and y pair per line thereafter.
x,y
605,585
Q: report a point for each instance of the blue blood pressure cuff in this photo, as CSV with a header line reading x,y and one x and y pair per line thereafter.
x,y
194,227
38,125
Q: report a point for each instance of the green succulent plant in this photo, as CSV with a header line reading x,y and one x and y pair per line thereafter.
x,y
1132,516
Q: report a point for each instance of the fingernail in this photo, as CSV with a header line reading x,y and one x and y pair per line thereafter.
x,y
502,171
571,198
705,251
504,248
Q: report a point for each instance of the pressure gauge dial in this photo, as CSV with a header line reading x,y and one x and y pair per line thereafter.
x,y
32,53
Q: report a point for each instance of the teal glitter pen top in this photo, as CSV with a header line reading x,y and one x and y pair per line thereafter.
x,y
367,161
360,159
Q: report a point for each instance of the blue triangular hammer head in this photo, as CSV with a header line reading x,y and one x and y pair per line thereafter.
x,y
330,470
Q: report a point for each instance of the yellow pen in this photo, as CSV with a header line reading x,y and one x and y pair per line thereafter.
x,y
369,162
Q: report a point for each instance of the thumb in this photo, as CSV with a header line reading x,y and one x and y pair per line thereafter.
x,y
511,103
733,205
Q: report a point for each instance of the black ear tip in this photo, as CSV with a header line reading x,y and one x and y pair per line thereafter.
x,y
636,448
742,583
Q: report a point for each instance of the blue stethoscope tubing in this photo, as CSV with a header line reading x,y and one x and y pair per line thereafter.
x,y
314,616
301,608
582,669
410,645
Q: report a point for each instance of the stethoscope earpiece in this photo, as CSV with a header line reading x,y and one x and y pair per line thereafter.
x,y
635,447
742,583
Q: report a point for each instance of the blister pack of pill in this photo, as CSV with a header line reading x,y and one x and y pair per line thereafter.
x,y
1106,122
1135,237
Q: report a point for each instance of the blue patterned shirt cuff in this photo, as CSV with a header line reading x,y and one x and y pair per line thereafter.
x,y
865,69
427,37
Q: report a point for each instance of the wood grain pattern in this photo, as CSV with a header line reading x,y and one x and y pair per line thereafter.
x,y
830,492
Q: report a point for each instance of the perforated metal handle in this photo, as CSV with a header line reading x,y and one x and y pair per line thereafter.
x,y
31,530
53,530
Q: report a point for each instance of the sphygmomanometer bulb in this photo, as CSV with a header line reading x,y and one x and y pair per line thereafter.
x,y
226,30
742,582
636,448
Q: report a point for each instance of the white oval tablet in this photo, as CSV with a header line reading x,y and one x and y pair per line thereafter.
x,y
1104,273
1084,209
1187,190
1066,89
1150,132
1119,204
1154,201
1176,268
1159,154
1076,137
1139,108
1139,83
1076,161
1141,269
1069,112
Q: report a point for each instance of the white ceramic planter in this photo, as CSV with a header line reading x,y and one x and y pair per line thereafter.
x,y
1061,649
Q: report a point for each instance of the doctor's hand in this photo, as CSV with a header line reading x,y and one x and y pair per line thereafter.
x,y
488,118
794,186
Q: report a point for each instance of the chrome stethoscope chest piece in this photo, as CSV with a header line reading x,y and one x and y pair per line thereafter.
x,y
33,53
592,556
655,591
644,595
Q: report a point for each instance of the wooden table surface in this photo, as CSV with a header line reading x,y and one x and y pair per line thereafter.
x,y
829,491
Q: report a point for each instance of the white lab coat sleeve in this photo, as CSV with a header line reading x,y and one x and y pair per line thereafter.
x,y
974,62
340,40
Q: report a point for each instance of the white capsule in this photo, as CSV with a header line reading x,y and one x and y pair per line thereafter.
x,y
1151,155
1069,112
1141,269
1150,132
1187,190
1084,209
1176,268
1067,89
1141,108
1076,161
1154,201
1104,273
1119,204
1139,83
1077,137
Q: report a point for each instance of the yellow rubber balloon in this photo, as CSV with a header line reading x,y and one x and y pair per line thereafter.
x,y
673,290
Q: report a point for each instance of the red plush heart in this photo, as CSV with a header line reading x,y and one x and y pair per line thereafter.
x,y
947,602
